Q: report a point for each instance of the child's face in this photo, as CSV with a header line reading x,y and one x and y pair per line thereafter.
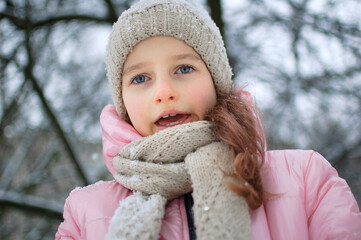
x,y
165,83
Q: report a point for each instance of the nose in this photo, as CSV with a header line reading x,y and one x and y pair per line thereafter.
x,y
165,91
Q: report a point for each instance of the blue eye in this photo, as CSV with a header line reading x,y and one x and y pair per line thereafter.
x,y
185,69
140,79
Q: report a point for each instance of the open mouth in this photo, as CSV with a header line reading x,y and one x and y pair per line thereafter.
x,y
170,120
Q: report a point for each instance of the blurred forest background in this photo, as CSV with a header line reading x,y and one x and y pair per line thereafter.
x,y
301,59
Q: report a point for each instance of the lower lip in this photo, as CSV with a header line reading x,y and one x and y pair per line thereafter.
x,y
187,120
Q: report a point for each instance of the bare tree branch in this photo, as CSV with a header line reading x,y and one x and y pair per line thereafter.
x,y
31,203
112,13
11,109
22,24
51,20
216,13
28,72
17,159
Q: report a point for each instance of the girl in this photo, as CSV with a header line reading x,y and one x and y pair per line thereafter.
x,y
187,151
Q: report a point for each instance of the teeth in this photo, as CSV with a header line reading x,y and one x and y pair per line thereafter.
x,y
173,123
169,115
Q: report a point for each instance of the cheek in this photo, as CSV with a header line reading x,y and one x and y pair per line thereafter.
x,y
135,109
203,97
132,109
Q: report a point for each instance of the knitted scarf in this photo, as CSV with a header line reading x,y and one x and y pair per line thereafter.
x,y
169,164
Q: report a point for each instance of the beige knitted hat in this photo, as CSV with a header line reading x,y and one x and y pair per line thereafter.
x,y
181,19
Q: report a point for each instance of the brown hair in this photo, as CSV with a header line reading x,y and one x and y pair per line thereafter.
x,y
238,125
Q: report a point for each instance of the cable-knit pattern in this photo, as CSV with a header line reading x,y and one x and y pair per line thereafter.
x,y
218,212
155,164
169,164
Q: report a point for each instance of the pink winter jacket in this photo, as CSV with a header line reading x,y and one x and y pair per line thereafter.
x,y
314,203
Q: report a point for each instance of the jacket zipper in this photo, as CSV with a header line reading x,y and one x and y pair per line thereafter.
x,y
188,202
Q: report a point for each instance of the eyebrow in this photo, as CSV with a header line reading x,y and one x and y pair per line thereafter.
x,y
187,56
133,67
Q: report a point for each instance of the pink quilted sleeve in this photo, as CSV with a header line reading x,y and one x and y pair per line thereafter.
x,y
69,228
331,208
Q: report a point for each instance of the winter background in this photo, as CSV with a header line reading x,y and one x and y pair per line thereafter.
x,y
300,59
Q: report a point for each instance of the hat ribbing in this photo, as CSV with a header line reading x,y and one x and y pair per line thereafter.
x,y
177,18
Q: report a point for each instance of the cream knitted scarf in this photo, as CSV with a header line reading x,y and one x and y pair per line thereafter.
x,y
169,164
